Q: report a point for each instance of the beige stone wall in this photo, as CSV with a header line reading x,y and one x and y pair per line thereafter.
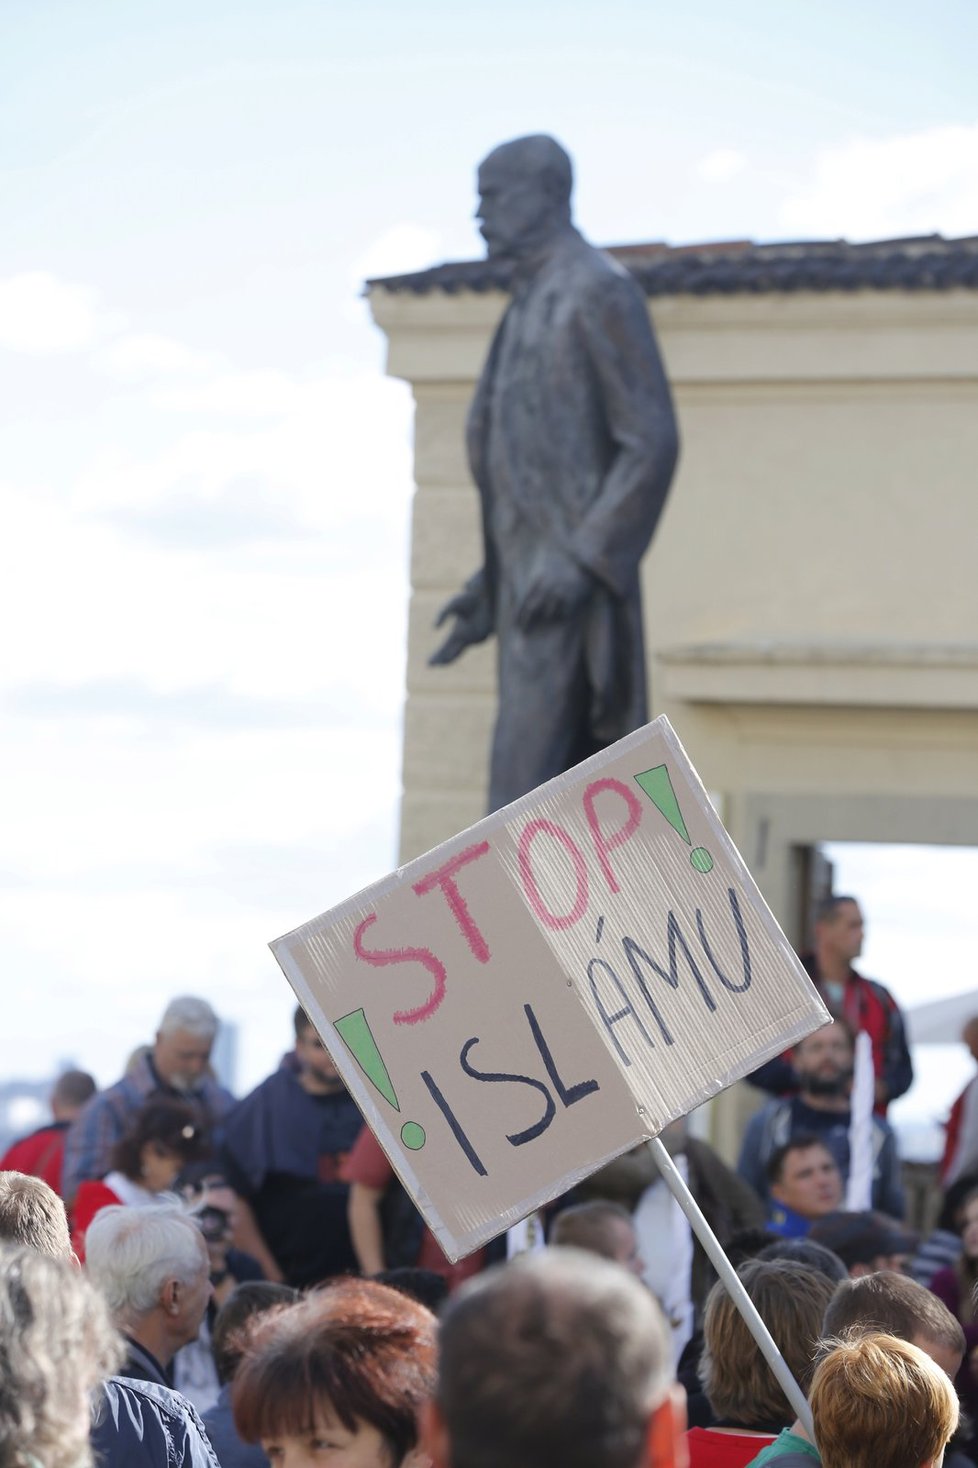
x,y
811,588
811,600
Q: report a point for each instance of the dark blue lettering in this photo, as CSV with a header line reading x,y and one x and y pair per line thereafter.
x,y
517,1139
568,1094
744,949
610,1020
455,1124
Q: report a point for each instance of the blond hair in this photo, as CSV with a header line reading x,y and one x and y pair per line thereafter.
x,y
879,1402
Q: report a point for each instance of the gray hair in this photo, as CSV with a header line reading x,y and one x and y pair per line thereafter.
x,y
191,1014
557,1360
56,1344
130,1254
33,1216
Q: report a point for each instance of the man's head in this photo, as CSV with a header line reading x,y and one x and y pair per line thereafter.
x,y
899,1306
804,1176
244,1304
33,1216
557,1360
823,1061
879,1402
524,196
182,1050
865,1241
808,1252
839,929
599,1228
71,1092
151,1265
739,1384
317,1073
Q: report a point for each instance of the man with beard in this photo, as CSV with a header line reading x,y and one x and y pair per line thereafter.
x,y
284,1147
865,1005
823,1064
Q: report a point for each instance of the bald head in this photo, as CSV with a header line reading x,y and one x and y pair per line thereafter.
x,y
538,158
557,1360
524,195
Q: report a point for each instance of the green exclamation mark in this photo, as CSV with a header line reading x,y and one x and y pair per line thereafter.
x,y
356,1035
658,787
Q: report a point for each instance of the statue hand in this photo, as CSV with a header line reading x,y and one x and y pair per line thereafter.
x,y
473,622
557,586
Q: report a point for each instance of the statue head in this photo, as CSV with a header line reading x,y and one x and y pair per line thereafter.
x,y
524,196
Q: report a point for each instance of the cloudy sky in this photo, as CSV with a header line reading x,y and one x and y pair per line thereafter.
x,y
204,475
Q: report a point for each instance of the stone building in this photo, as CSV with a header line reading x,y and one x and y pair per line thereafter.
x,y
811,596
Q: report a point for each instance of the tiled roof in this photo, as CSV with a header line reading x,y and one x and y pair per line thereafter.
x,y
929,263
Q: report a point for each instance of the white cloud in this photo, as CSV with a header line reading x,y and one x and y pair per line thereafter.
x,y
330,447
398,251
147,355
246,552
721,165
215,569
242,395
43,315
874,188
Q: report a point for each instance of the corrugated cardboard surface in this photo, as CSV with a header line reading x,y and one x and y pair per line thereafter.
x,y
569,984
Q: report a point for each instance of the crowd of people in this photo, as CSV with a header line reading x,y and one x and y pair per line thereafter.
x,y
190,1279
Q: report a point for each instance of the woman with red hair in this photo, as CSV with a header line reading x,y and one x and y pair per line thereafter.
x,y
338,1379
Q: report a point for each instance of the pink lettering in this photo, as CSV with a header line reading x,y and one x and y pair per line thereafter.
x,y
382,957
604,844
444,878
550,919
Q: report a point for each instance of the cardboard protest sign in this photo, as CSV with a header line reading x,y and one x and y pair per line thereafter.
x,y
551,987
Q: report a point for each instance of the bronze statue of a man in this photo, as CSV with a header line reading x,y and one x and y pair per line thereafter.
x,y
572,442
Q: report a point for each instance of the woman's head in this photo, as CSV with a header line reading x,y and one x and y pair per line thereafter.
x,y
56,1343
739,1384
880,1402
162,1138
341,1375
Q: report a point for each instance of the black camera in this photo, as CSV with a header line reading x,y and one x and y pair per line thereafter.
x,y
214,1223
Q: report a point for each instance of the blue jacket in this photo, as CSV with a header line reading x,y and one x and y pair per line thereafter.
x,y
283,1151
776,1122
228,1446
137,1424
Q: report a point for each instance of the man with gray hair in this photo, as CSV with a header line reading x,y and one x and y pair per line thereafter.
x,y
557,1360
152,1267
177,1065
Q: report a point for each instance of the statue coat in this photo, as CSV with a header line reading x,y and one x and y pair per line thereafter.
x,y
572,442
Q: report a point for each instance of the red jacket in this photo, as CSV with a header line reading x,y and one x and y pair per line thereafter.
x,y
866,1005
39,1155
